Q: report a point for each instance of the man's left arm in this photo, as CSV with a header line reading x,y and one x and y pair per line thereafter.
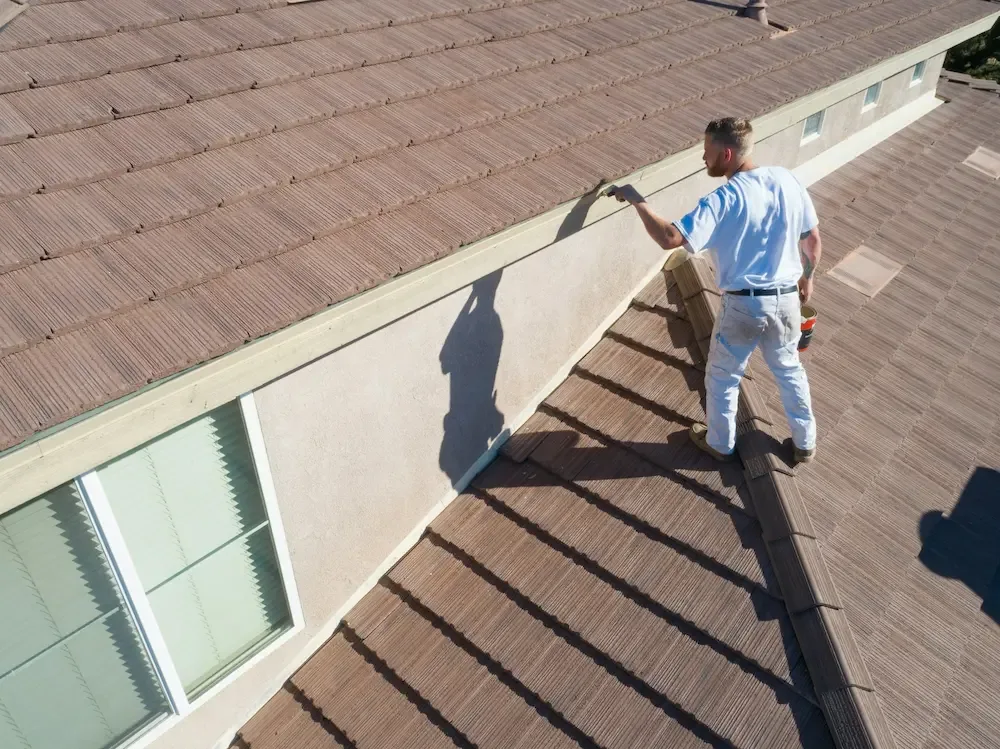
x,y
810,246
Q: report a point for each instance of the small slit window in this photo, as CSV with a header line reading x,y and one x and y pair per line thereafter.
x,y
872,96
918,73
813,126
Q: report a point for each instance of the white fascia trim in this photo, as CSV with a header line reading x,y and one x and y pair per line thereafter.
x,y
88,442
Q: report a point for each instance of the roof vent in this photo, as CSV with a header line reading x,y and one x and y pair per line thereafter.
x,y
985,161
757,10
866,271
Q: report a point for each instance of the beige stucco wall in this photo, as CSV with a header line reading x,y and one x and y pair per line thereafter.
x,y
364,443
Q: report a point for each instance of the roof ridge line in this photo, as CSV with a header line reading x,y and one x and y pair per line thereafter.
x,y
844,688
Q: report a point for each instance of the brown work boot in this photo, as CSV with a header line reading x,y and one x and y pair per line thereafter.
x,y
699,436
804,456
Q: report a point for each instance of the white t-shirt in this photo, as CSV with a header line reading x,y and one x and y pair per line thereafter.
x,y
752,226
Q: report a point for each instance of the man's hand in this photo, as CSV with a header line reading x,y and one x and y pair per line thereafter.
x,y
625,194
805,289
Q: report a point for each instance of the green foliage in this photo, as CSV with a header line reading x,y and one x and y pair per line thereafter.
x,y
979,57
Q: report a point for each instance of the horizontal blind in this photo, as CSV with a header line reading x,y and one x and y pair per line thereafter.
x,y
72,670
193,518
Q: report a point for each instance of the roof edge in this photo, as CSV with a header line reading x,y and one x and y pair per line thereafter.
x,y
840,677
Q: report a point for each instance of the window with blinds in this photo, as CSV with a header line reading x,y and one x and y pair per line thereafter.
x,y
73,670
193,519
131,591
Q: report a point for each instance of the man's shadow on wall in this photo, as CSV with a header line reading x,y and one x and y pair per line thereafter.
x,y
965,545
470,357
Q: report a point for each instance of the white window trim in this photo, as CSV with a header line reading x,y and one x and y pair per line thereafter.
x,y
113,542
867,107
813,136
131,589
255,436
916,80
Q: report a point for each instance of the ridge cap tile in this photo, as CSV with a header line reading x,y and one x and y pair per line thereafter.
x,y
802,573
826,638
779,508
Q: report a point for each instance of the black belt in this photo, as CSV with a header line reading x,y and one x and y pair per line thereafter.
x,y
764,292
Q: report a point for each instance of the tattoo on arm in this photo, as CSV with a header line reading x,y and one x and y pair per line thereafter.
x,y
809,249
807,266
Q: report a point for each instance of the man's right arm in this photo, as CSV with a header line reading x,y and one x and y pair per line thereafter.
x,y
811,249
663,232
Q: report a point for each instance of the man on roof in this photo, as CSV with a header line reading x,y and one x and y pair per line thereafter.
x,y
762,232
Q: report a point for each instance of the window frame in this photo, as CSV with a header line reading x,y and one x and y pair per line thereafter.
x,y
867,106
809,137
918,74
127,577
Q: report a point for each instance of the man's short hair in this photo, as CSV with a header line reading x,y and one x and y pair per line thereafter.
x,y
732,132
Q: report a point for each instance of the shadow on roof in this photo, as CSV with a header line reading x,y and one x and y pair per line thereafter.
x,y
965,544
588,645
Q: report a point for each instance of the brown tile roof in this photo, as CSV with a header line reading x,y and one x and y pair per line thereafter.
x,y
602,583
185,172
903,496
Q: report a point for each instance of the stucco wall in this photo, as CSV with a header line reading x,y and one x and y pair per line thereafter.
x,y
368,440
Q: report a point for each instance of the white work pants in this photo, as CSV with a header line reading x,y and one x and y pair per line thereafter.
x,y
774,323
